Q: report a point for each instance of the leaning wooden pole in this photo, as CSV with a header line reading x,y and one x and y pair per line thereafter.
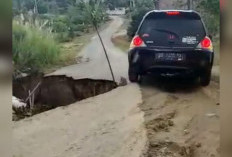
x,y
111,70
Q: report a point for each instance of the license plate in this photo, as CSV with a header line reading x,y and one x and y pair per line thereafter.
x,y
169,56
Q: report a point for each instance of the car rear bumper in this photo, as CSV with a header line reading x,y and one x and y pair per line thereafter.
x,y
195,61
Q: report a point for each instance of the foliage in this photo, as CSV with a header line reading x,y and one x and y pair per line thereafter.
x,y
61,29
44,6
140,9
60,24
67,18
210,11
94,11
33,49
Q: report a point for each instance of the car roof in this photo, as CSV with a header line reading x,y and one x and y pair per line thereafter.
x,y
163,11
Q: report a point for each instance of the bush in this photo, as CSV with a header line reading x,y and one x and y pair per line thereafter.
x,y
210,11
136,18
42,8
33,49
142,7
63,37
60,24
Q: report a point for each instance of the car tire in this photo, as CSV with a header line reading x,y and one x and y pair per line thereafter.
x,y
133,75
140,79
133,78
205,78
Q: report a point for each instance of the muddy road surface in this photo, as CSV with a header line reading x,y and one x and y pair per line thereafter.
x,y
181,118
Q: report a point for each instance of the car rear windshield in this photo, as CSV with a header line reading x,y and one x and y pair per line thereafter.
x,y
161,29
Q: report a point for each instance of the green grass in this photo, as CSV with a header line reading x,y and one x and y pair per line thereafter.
x,y
33,49
71,49
37,50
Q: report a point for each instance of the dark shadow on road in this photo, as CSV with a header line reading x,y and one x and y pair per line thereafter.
x,y
172,85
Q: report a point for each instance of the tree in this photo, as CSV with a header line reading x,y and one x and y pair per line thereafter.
x,y
42,8
210,11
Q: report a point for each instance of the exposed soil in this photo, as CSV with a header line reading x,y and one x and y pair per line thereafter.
x,y
182,119
56,91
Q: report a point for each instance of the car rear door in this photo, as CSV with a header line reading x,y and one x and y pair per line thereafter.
x,y
172,30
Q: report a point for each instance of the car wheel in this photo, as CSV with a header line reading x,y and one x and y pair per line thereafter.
x,y
140,79
205,78
133,75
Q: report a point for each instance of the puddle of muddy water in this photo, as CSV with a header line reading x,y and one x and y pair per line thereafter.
x,y
56,91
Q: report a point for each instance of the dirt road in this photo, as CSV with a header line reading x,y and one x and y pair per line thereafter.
x,y
181,118
109,125
94,64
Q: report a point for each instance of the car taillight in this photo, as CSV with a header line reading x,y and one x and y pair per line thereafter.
x,y
137,42
173,13
206,43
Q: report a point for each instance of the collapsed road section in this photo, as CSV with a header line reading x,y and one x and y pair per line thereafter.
x,y
54,91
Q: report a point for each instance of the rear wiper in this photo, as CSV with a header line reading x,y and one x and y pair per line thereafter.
x,y
166,31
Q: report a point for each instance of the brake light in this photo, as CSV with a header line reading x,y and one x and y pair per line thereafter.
x,y
206,43
173,13
137,42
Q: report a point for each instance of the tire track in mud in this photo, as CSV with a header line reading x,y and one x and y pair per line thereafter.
x,y
182,120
